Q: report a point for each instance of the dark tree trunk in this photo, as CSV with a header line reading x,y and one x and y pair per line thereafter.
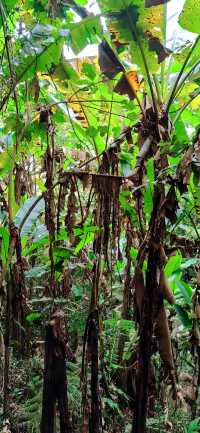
x,y
151,304
95,418
145,343
7,350
55,385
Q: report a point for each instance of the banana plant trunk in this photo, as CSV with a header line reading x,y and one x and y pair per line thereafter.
x,y
145,343
152,301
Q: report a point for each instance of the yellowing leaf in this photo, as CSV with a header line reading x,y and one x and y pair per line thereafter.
x,y
78,111
196,103
132,78
128,84
152,20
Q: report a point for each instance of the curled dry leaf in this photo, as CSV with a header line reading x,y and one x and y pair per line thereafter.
x,y
108,61
128,84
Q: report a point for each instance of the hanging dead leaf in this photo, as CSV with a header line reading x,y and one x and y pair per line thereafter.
x,y
127,131
35,88
70,217
170,205
110,66
108,61
155,45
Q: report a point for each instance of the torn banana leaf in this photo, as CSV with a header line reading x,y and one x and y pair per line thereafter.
x,y
140,27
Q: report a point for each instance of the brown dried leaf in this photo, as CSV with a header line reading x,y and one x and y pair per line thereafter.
x,y
108,61
155,45
35,88
128,84
71,212
170,205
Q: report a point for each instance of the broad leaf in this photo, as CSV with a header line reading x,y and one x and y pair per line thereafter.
x,y
148,202
4,244
188,263
173,265
140,26
39,52
183,315
85,32
33,316
185,290
32,217
189,18
37,271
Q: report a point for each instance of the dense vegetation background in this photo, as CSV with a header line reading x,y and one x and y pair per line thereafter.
x,y
99,217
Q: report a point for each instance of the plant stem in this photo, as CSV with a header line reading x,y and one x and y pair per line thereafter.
x,y
157,86
182,83
135,36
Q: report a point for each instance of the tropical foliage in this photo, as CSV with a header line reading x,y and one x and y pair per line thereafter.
x,y
100,208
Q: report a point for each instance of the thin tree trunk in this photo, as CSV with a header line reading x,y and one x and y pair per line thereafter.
x,y
95,401
7,351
